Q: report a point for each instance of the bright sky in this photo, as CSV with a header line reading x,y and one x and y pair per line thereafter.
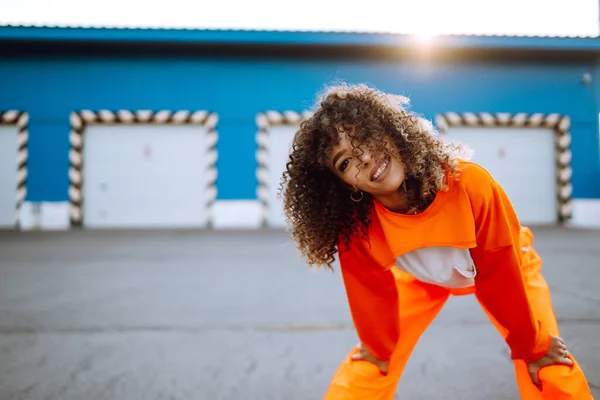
x,y
506,17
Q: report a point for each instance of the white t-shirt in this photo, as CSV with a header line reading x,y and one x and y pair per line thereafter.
x,y
449,267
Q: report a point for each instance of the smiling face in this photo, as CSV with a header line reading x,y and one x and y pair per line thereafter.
x,y
379,175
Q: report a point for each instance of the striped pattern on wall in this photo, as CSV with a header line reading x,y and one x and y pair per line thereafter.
x,y
19,119
561,125
80,119
264,121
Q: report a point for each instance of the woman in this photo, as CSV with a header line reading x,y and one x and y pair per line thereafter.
x,y
413,222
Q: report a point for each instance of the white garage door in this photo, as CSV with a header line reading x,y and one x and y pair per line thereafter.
x,y
522,160
144,176
279,144
8,175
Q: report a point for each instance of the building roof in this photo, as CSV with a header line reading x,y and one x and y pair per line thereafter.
x,y
14,33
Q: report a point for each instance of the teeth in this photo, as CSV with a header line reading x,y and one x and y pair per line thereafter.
x,y
380,170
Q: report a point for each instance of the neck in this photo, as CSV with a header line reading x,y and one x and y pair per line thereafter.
x,y
396,202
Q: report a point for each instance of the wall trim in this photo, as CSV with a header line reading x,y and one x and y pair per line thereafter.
x,y
561,125
586,214
244,215
237,214
80,119
264,121
19,119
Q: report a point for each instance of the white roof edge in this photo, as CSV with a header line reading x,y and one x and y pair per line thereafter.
x,y
358,31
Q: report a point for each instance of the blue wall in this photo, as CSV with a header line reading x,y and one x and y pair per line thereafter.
x,y
239,88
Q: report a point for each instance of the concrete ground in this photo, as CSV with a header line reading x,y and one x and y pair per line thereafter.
x,y
189,315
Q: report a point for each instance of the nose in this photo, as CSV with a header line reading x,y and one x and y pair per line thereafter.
x,y
364,157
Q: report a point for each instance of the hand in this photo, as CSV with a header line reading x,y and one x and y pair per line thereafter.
x,y
557,354
365,355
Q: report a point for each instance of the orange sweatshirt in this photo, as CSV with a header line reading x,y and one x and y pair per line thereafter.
x,y
474,213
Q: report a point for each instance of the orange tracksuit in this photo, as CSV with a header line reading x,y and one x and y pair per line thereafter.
x,y
391,309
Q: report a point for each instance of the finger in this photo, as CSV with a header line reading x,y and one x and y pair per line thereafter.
x,y
566,361
560,353
364,356
562,358
360,354
558,345
556,356
558,339
534,378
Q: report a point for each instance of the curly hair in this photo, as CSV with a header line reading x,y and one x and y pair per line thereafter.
x,y
317,205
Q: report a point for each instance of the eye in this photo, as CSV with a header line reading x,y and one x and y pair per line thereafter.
x,y
344,164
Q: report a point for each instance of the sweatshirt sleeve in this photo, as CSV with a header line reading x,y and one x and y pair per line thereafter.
x,y
373,301
499,282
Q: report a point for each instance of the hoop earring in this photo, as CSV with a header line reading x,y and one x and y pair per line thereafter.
x,y
353,196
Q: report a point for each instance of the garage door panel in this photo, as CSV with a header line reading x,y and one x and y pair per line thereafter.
x,y
8,175
522,160
279,144
145,176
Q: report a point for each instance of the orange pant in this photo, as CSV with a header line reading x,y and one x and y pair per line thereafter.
x,y
419,305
